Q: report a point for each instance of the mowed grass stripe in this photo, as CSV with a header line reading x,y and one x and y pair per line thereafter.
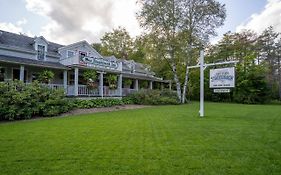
x,y
231,139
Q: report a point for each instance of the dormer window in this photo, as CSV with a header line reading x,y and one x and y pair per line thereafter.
x,y
70,54
41,52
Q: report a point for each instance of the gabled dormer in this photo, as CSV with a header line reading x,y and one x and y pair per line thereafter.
x,y
82,48
41,47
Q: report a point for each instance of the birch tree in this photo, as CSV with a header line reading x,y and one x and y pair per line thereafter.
x,y
167,20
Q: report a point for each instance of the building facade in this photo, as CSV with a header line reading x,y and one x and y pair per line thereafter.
x,y
23,58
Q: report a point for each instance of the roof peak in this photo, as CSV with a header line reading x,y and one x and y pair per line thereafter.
x,y
29,37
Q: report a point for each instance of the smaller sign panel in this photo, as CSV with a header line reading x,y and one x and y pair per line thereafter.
x,y
222,78
221,90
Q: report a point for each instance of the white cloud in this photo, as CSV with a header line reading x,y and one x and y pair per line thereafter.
x,y
270,16
38,6
71,21
15,28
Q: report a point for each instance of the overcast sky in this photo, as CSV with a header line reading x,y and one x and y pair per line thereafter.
x,y
68,21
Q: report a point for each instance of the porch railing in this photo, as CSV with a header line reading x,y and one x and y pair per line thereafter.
x,y
55,86
110,92
127,91
83,90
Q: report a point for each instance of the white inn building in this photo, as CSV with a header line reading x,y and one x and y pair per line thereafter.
x,y
23,58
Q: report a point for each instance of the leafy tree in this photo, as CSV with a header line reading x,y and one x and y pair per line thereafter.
x,y
138,51
97,47
177,26
251,82
278,56
251,86
118,43
269,53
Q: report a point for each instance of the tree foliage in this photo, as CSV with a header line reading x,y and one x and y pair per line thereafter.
x,y
256,71
176,27
118,43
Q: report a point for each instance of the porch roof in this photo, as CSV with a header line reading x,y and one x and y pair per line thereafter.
x,y
144,77
31,62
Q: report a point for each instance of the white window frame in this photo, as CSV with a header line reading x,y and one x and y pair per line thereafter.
x,y
45,47
68,52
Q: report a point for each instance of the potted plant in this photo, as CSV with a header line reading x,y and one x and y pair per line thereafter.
x,y
46,76
127,83
144,84
90,77
112,81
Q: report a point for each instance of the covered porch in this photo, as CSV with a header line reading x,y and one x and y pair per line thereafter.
x,y
125,84
69,78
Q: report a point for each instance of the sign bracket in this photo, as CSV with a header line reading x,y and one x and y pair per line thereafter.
x,y
202,67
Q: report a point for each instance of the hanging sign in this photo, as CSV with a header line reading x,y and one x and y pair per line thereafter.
x,y
92,62
222,78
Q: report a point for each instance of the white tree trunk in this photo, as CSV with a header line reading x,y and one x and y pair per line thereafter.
x,y
279,77
176,79
185,85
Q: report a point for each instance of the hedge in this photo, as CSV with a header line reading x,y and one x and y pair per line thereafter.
x,y
23,101
154,97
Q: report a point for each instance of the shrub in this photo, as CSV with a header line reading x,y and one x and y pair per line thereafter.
x,y
20,101
154,97
127,100
97,103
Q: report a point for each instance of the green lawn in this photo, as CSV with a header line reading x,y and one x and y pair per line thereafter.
x,y
232,139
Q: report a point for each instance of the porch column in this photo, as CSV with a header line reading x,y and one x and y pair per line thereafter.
x,y
137,84
120,84
76,75
21,73
101,84
170,85
65,81
151,85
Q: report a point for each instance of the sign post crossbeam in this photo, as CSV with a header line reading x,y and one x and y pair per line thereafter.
x,y
213,64
202,66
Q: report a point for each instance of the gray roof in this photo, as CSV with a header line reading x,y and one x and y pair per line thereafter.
x,y
129,67
31,62
25,42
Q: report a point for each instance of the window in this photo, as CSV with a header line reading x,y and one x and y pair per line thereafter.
x,y
40,52
2,74
70,53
